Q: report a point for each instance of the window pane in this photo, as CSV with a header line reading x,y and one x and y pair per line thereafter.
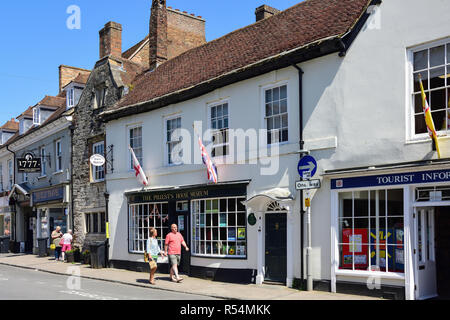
x,y
276,94
420,126
418,103
437,56
361,203
438,100
439,119
345,207
283,106
421,60
424,75
268,110
268,96
437,78
95,220
283,92
276,107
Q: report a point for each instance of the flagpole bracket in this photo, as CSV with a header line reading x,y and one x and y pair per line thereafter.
x,y
109,157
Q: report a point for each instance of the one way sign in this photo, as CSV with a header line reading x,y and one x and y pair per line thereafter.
x,y
307,167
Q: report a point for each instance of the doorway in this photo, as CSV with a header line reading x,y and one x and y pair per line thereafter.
x,y
275,247
442,245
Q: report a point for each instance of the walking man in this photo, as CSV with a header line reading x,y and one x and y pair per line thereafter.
x,y
174,241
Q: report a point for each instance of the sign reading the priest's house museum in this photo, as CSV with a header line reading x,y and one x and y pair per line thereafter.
x,y
29,163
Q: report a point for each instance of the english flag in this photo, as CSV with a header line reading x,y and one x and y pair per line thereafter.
x,y
140,175
211,168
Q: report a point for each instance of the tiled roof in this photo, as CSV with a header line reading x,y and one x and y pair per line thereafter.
x,y
50,101
127,54
11,125
306,23
81,78
28,113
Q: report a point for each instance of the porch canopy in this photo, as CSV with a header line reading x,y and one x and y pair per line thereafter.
x,y
260,202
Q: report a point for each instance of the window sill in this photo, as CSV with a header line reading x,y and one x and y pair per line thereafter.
x,y
219,257
58,172
425,139
42,177
380,274
97,181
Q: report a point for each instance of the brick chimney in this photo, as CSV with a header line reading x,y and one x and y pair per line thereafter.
x,y
111,40
158,34
264,12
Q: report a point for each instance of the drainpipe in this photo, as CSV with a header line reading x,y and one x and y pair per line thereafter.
x,y
302,143
14,182
107,227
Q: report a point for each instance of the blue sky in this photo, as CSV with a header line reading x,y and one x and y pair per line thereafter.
x,y
35,39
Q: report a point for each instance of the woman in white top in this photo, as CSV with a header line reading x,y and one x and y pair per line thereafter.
x,y
67,242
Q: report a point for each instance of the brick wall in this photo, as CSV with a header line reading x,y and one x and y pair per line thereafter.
x,y
67,74
111,40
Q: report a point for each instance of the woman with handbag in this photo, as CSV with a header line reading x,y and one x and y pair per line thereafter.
x,y
56,239
152,252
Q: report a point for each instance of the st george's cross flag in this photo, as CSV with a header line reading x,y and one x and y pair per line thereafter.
x,y
429,119
140,175
211,168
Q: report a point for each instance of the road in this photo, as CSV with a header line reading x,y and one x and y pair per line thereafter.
x,y
24,284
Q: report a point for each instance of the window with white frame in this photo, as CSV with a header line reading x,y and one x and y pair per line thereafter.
x,y
1,177
24,177
70,98
98,172
36,116
219,122
10,174
276,114
219,227
141,218
172,125
58,153
43,162
433,65
95,222
135,139
371,230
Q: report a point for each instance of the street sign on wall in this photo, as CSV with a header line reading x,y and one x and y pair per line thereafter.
x,y
307,184
307,167
29,163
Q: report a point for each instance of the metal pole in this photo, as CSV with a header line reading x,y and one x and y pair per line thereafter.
x,y
309,279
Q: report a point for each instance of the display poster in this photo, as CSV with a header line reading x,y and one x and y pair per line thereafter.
x,y
241,233
223,220
181,223
384,239
354,247
231,234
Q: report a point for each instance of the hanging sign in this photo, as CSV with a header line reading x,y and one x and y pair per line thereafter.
x,y
29,163
97,160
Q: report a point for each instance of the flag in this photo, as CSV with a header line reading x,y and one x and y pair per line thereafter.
x,y
429,119
140,175
211,168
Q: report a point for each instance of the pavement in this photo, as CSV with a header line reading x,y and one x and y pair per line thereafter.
x,y
190,285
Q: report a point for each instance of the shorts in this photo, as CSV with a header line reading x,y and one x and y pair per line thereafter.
x,y
66,247
174,259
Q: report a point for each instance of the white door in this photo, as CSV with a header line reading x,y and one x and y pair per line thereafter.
x,y
425,254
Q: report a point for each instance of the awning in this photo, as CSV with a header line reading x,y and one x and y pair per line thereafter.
x,y
260,202
19,188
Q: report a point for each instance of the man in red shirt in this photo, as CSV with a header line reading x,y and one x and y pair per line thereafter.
x,y
174,241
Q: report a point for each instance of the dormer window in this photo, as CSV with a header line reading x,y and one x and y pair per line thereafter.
x,y
100,94
36,116
70,98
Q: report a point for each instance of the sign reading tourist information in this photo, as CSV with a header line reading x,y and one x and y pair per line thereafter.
x,y
307,184
29,163
392,179
307,167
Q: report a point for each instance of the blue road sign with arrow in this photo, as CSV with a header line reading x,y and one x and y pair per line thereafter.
x,y
307,167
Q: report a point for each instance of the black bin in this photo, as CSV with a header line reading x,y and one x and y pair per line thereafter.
x,y
4,244
42,245
97,254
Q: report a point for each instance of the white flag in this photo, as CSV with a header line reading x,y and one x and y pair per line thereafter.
x,y
140,175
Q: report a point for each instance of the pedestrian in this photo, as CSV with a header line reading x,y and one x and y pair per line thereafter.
x,y
56,239
67,242
174,241
153,251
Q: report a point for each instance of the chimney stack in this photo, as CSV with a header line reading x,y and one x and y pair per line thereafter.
x,y
111,40
264,12
158,34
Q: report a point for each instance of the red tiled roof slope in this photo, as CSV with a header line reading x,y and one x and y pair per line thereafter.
x,y
298,26
50,101
11,125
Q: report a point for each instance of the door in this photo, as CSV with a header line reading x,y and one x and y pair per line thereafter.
x,y
276,247
443,251
425,254
183,228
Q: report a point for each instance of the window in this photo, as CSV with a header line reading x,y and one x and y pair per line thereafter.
x,y
43,162
144,216
58,153
433,64
70,98
95,222
1,177
219,125
98,173
171,126
219,227
24,177
36,116
136,143
371,233
276,114
100,96
10,174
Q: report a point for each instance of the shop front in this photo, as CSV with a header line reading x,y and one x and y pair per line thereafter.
x,y
52,210
390,231
211,218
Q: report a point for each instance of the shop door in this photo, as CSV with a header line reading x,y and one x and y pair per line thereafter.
x,y
443,251
425,254
275,247
183,228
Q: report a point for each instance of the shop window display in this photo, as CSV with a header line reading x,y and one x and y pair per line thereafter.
x,y
371,230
